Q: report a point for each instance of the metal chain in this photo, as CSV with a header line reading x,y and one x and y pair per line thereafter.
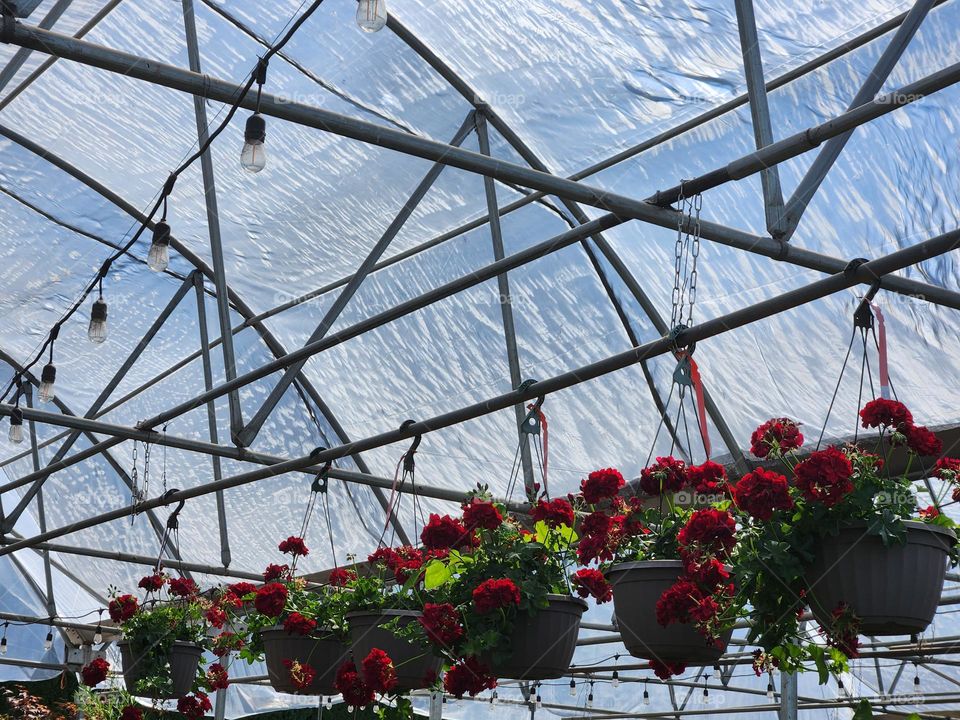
x,y
678,262
686,254
134,482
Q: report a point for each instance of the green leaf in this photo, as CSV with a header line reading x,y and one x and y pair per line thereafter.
x,y
437,574
864,711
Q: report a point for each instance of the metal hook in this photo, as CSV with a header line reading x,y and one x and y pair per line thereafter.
x,y
321,481
863,315
173,522
530,425
675,338
408,462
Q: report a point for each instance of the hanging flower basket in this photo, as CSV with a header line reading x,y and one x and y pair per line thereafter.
x,y
416,665
322,651
182,662
637,586
542,644
889,590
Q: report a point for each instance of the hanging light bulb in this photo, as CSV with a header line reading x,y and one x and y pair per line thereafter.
x,y
253,159
97,330
47,379
490,705
615,681
590,696
371,15
495,698
770,692
159,256
16,426
573,687
98,635
916,676
3,640
706,691
48,642
646,694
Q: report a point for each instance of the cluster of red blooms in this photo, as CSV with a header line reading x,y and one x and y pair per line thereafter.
x,y
495,594
601,485
948,470
131,712
602,531
276,572
271,599
301,673
356,693
468,676
152,583
183,587
401,561
762,492
666,670
379,676
95,672
481,515
894,416
294,546
777,436
297,624
666,475
194,707
843,633
589,582
442,624
825,477
339,577
443,532
553,513
123,608
227,642
379,672
217,678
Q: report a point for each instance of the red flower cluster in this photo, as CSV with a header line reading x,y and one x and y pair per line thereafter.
x,y
494,594
923,441
271,599
400,561
761,493
442,624
707,479
194,707
468,676
95,673
601,485
844,631
708,534
591,583
123,608
777,436
226,642
339,577
131,713
947,468
677,602
483,514
275,572
553,513
711,573
825,477
378,671
183,587
886,413
297,624
242,589
600,534
301,674
443,533
929,513
666,670
294,545
217,678
216,616
666,475
348,683
152,583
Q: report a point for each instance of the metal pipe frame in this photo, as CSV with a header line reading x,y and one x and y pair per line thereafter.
x,y
648,211
41,511
17,61
855,274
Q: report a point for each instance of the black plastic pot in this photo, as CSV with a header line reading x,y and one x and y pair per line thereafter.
x,y
182,664
324,652
637,586
892,590
416,665
542,644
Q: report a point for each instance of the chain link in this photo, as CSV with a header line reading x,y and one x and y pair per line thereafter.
x,y
686,254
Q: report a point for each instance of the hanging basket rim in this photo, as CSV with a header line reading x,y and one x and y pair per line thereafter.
x,y
910,525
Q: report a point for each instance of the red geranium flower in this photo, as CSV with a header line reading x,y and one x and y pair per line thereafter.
x,y
152,583
400,561
271,599
339,577
379,672
495,593
676,603
929,512
825,477
666,670
95,673
443,533
761,493
708,533
354,690
708,478
226,642
481,514
553,513
442,624
242,589
468,676
590,582
123,608
131,713
293,545
301,673
923,441
217,678
183,587
275,572
667,474
709,574
215,616
195,706
297,624
600,485
778,435
947,468
885,413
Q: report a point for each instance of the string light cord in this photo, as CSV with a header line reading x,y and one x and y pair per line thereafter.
x,y
258,74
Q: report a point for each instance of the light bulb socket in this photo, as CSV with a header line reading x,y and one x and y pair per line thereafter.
x,y
16,416
256,130
99,311
49,374
161,233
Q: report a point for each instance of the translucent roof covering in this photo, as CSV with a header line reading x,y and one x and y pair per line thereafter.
x,y
576,83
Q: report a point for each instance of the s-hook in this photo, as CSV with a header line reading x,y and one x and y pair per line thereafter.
x,y
322,480
531,422
408,460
